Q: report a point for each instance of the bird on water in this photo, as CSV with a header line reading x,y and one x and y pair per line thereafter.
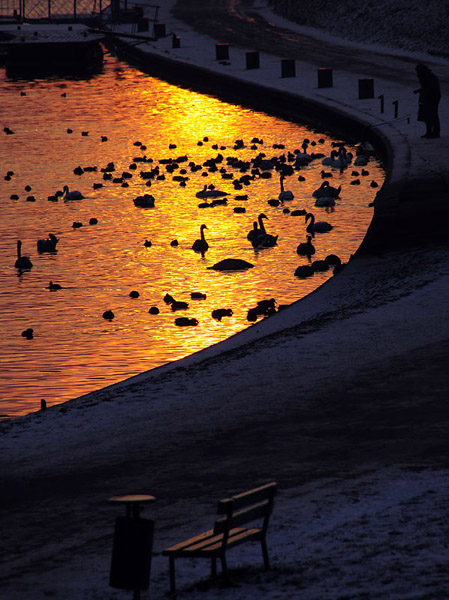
x,y
200,245
22,262
72,195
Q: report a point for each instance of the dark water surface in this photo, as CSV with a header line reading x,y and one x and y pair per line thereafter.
x,y
74,349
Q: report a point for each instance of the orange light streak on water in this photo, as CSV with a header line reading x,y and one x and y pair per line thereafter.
x,y
74,349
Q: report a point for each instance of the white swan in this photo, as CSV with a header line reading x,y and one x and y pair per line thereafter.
x,y
72,195
316,226
201,245
285,194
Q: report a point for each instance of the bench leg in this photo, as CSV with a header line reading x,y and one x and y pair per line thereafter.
x,y
266,559
213,567
172,574
224,565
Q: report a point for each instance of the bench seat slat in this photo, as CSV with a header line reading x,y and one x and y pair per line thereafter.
x,y
212,546
186,543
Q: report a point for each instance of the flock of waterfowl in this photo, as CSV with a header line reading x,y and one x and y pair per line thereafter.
x,y
240,173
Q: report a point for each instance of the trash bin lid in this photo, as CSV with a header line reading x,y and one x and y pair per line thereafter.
x,y
132,499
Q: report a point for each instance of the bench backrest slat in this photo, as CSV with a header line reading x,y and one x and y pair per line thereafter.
x,y
242,517
244,508
247,498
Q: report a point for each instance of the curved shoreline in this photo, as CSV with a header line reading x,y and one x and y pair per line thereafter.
x,y
398,220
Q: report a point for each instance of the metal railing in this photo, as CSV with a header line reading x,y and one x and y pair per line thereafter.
x,y
113,11
23,10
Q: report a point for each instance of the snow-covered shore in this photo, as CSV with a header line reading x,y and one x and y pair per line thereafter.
x,y
342,399
406,24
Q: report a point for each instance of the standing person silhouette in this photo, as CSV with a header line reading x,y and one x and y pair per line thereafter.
x,y
429,98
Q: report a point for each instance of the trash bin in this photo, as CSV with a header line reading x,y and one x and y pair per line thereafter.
x,y
133,546
131,553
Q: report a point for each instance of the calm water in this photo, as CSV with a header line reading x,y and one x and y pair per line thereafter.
x,y
74,349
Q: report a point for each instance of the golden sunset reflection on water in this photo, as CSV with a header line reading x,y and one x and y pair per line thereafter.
x,y
74,349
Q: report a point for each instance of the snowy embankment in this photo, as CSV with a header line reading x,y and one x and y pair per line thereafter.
x,y
410,25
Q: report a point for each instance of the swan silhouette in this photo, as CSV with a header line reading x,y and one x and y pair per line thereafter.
x,y
258,236
361,161
285,194
47,245
210,192
201,245
22,262
257,230
316,226
254,232
343,159
265,240
325,201
330,159
326,190
72,195
302,159
306,248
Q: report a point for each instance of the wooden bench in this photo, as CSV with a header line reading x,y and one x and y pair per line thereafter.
x,y
242,509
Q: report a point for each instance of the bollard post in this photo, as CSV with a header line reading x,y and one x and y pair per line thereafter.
x,y
252,59
396,108
381,98
221,51
366,88
43,404
159,30
288,67
176,41
325,78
